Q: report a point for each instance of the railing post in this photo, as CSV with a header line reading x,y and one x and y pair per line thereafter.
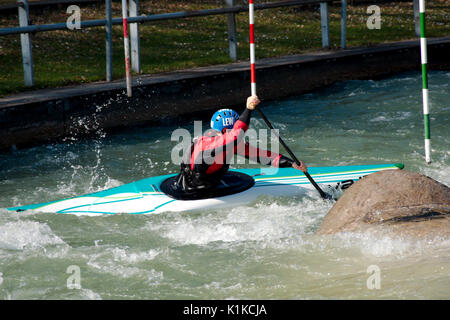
x,y
232,38
135,38
25,41
324,23
109,53
343,24
416,17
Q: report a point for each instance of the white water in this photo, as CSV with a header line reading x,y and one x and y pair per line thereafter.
x,y
267,250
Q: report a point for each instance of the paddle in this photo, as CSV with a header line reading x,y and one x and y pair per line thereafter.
x,y
324,195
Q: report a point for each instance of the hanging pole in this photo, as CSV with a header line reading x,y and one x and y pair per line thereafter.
x,y
251,14
424,60
126,45
251,9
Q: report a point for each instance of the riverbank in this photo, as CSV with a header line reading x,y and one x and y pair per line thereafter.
x,y
64,58
51,114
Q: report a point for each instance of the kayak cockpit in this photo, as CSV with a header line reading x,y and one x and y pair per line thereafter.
x,y
231,183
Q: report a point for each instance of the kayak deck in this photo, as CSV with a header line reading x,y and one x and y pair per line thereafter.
x,y
145,196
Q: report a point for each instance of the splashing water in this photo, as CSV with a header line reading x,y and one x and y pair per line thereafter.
x,y
267,250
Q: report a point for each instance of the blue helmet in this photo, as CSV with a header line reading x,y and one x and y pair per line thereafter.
x,y
224,119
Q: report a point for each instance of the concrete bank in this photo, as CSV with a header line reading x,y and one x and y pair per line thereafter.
x,y
51,114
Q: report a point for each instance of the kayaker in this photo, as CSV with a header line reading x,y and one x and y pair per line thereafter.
x,y
208,158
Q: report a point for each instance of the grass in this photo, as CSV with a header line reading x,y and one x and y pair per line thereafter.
x,y
73,57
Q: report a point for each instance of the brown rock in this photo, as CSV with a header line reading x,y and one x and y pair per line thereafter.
x,y
401,201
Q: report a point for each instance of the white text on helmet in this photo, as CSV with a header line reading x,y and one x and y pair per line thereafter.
x,y
228,121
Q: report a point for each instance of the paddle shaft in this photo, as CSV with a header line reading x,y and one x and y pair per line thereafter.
x,y
321,192
253,88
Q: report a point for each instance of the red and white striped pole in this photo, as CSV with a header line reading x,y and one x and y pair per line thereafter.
x,y
251,15
126,45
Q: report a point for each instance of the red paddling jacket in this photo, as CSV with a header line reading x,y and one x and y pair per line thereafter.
x,y
209,156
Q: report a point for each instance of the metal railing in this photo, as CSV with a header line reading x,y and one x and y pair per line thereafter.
x,y
25,28
12,7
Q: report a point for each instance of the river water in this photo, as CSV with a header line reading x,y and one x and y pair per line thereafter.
x,y
267,250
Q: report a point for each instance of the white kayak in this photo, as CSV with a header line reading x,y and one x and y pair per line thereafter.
x,y
146,197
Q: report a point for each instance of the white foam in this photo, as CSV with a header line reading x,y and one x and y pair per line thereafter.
x,y
438,171
220,285
109,183
122,263
379,118
122,255
262,223
89,294
19,235
72,188
383,244
392,117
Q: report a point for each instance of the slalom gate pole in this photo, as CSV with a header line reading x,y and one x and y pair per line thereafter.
x,y
126,45
253,91
424,61
251,14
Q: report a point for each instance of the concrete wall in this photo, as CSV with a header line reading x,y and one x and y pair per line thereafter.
x,y
51,114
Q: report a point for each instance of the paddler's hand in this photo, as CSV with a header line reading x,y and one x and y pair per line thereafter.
x,y
301,167
252,102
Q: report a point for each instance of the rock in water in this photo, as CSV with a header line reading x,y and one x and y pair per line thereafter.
x,y
401,201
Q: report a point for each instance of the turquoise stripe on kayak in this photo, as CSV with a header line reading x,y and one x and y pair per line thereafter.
x,y
93,204
262,179
34,206
317,176
141,212
316,170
